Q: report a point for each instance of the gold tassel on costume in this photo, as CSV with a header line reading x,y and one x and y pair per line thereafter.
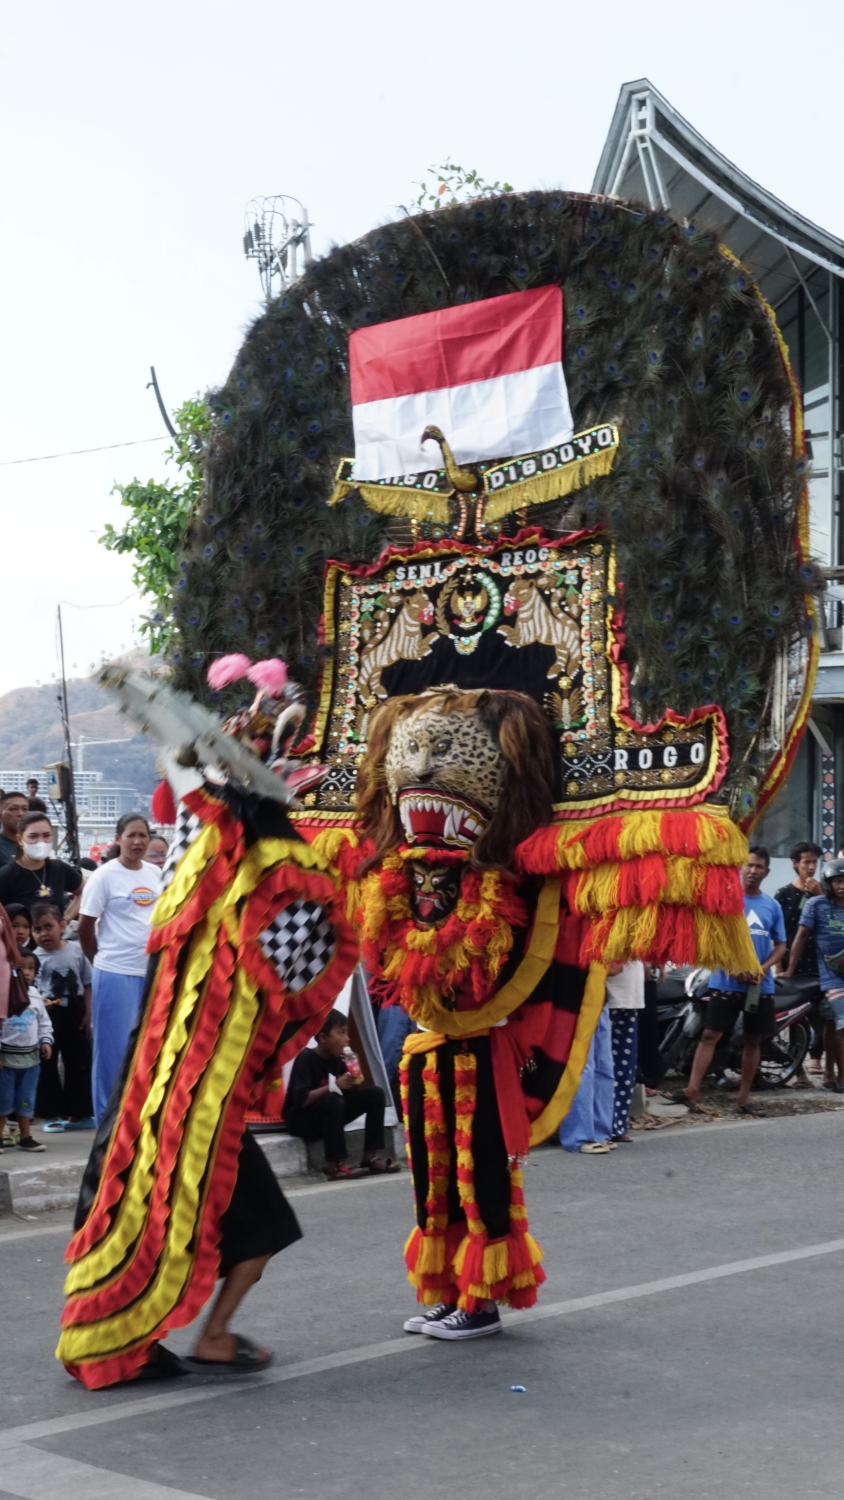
x,y
506,1270
426,1252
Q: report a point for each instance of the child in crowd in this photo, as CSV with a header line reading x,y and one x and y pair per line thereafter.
x,y
28,968
24,1040
323,1097
21,926
64,984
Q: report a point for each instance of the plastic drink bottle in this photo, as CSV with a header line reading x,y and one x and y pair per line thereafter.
x,y
751,1003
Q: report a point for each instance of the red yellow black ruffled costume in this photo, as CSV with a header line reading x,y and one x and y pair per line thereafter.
x,y
509,988
465,1113
217,1013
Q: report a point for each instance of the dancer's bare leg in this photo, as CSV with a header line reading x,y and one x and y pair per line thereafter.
x,y
215,1341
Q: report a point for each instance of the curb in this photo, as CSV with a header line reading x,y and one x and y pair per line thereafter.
x,y
35,1187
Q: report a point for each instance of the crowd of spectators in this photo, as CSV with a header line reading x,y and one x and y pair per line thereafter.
x,y
80,933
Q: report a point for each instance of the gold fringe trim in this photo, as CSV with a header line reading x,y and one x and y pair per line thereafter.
x,y
395,500
541,488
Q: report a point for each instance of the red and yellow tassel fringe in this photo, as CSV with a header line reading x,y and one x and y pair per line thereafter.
x,y
655,885
465,953
456,1262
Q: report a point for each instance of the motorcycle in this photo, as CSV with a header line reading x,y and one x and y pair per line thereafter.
x,y
682,1021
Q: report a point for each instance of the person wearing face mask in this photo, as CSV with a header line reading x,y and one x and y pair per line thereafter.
x,y
35,875
115,913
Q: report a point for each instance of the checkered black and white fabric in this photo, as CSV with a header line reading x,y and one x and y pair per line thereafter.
x,y
299,943
186,829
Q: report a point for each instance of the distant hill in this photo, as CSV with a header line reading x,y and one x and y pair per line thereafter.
x,y
31,731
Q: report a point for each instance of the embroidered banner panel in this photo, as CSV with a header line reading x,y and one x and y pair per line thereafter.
x,y
533,614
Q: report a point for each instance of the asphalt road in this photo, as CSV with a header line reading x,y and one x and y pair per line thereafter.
x,y
688,1343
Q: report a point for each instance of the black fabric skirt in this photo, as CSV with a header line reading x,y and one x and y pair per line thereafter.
x,y
259,1220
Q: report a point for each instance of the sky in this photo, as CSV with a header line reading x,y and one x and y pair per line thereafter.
x,y
135,135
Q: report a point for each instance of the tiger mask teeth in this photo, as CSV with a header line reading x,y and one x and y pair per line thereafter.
x,y
439,819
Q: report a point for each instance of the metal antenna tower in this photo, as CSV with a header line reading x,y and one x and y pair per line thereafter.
x,y
273,239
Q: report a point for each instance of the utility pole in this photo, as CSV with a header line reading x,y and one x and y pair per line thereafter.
x,y
273,240
71,827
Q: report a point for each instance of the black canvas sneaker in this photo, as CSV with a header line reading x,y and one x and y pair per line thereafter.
x,y
422,1320
464,1325
29,1143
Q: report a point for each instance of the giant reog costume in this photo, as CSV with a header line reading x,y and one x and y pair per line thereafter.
x,y
556,626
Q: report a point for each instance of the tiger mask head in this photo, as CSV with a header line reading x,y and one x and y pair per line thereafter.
x,y
460,769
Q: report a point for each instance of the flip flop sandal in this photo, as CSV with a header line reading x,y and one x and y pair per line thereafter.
x,y
344,1173
380,1168
248,1360
594,1148
680,1096
162,1364
751,1111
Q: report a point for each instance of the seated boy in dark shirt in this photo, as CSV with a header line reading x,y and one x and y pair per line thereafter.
x,y
323,1097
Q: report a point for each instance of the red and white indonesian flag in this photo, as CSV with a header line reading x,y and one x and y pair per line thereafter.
x,y
488,374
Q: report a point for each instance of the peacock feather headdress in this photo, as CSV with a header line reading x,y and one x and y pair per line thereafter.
x,y
666,339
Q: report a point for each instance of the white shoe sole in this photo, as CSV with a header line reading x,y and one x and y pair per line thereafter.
x,y
436,1331
416,1324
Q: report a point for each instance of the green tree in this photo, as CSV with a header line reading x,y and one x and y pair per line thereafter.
x,y
454,184
159,514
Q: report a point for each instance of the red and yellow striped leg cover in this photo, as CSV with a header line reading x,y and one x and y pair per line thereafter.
x,y
147,1257
506,1270
428,1253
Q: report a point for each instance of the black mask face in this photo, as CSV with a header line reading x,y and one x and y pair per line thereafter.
x,y
434,891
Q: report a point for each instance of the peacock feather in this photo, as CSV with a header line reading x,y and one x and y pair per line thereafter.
x,y
664,336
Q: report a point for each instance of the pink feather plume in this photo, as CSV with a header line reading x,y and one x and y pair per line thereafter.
x,y
270,675
228,669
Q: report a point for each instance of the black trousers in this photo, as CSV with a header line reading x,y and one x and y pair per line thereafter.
x,y
74,1099
328,1117
259,1220
492,1175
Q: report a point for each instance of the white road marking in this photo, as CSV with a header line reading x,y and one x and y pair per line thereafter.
x,y
35,1233
35,1475
175,1397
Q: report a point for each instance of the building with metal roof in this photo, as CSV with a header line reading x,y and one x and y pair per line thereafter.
x,y
655,157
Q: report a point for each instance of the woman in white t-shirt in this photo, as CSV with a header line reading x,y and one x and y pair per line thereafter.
x,y
114,918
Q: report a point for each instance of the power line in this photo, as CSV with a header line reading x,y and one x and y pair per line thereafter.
x,y
135,594
75,452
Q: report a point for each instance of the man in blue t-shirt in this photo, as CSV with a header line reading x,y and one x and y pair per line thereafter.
x,y
728,992
823,918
